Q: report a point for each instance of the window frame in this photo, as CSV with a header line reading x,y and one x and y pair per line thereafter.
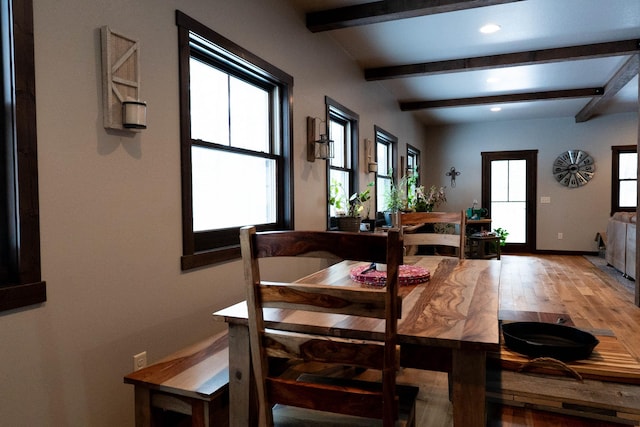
x,y
215,246
413,157
21,284
413,153
616,150
384,137
338,112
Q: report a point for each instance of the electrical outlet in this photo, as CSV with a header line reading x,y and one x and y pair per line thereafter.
x,y
139,361
560,236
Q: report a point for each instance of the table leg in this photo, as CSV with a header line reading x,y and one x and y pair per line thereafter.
x,y
240,380
142,397
468,388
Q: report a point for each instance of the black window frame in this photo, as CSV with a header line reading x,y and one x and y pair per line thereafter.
x,y
214,246
21,283
391,141
338,112
616,150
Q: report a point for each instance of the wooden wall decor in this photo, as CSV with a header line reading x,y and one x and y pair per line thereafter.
x,y
120,75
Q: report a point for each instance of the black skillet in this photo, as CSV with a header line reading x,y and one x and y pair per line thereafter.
x,y
537,339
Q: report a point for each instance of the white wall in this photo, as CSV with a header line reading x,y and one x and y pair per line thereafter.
x,y
110,204
578,213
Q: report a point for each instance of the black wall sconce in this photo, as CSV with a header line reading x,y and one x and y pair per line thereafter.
x,y
318,147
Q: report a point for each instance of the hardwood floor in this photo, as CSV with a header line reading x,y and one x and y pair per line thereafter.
x,y
544,283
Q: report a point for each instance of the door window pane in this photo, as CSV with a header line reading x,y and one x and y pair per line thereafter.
x,y
517,180
511,217
500,180
508,198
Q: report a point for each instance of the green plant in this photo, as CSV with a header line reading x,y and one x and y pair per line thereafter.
x,y
336,197
502,234
395,196
355,205
426,201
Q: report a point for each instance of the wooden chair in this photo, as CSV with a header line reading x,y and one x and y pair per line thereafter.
x,y
311,400
436,239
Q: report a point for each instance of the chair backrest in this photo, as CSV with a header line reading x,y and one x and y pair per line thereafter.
x,y
440,239
357,301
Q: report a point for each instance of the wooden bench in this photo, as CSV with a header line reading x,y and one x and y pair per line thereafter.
x,y
192,382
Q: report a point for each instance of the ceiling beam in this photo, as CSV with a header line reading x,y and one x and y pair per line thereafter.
x,y
501,99
544,56
628,71
389,10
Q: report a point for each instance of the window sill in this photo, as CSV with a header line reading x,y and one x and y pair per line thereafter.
x,y
214,256
17,296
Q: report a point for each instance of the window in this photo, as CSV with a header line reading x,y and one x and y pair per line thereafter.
x,y
624,178
413,169
20,280
343,130
235,125
386,153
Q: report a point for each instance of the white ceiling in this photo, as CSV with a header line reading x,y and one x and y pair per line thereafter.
x,y
525,26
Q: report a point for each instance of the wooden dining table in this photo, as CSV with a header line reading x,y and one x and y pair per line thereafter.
x,y
448,324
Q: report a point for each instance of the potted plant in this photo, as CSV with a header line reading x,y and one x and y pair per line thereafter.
x,y
502,234
349,212
427,201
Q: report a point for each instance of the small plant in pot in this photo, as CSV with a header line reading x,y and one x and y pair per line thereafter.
x,y
395,200
349,212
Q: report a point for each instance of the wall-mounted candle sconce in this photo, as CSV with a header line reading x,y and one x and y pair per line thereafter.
x,y
134,115
453,173
122,108
372,166
319,146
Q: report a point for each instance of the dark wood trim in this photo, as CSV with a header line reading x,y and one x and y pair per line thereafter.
x,y
637,296
410,149
531,156
184,21
203,259
498,99
624,74
209,247
389,10
615,182
354,119
188,244
534,57
29,289
393,162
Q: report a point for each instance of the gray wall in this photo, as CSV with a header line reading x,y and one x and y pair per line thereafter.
x,y
110,204
578,213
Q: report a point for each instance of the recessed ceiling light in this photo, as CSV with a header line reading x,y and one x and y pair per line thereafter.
x,y
496,109
489,28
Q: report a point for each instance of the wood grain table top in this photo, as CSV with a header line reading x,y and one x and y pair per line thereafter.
x,y
457,308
